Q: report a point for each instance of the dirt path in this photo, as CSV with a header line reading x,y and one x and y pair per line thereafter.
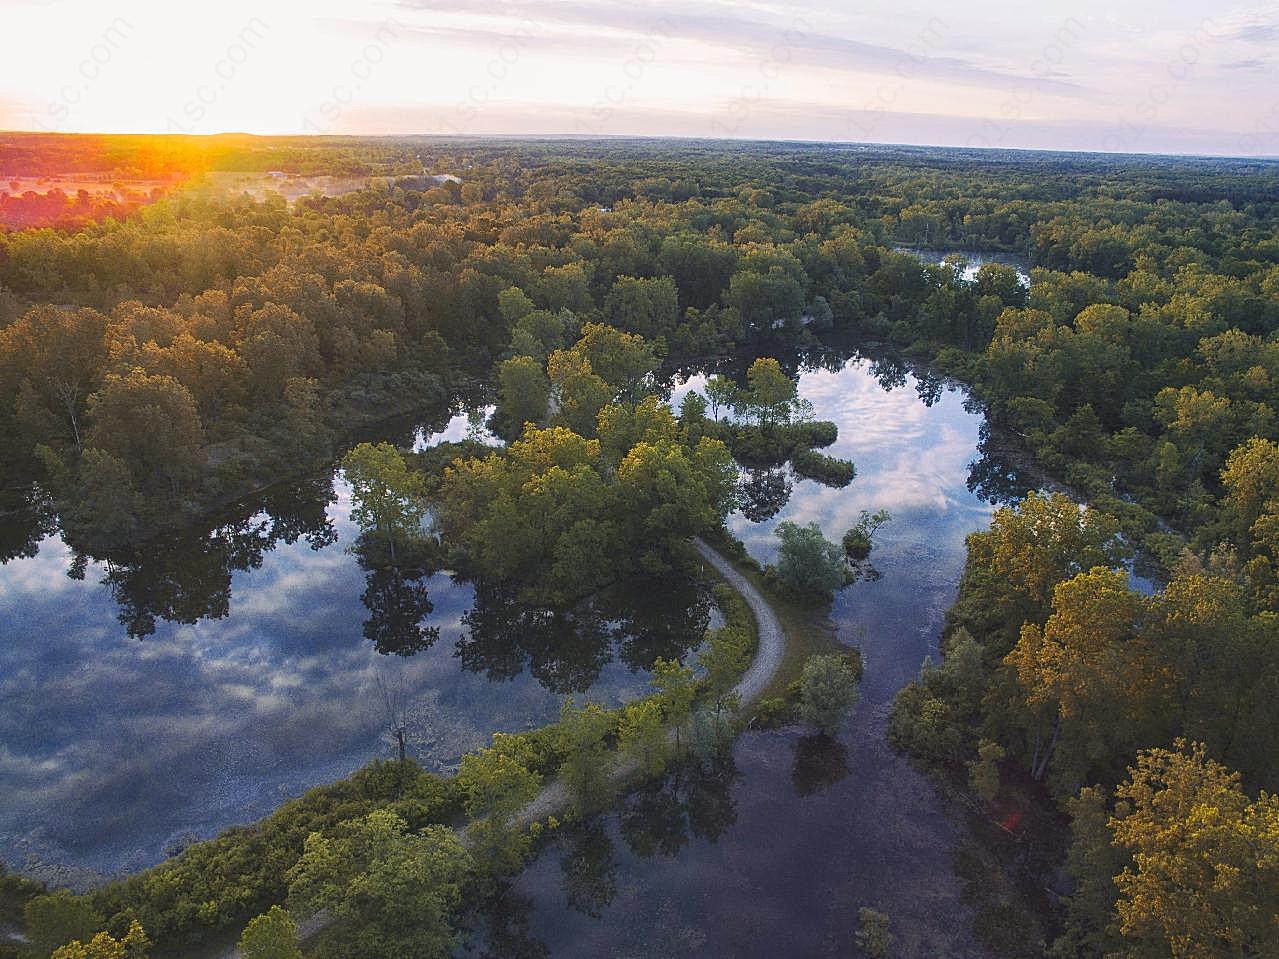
x,y
772,639
554,797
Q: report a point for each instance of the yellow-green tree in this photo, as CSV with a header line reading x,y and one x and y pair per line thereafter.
x,y
498,782
1088,680
1204,879
1014,566
134,945
391,892
387,497
642,736
272,935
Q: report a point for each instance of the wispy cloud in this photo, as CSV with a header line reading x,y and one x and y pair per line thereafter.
x,y
1250,64
714,27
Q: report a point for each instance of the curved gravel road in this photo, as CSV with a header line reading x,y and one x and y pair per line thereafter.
x,y
554,797
772,640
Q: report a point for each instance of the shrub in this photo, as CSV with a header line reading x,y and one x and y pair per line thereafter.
x,y
826,470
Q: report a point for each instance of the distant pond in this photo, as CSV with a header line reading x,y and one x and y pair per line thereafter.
x,y
976,261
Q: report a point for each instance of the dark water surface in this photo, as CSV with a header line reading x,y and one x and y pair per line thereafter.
x,y
773,856
148,699
158,697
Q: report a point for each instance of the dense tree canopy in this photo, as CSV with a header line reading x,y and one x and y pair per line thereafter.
x,y
161,355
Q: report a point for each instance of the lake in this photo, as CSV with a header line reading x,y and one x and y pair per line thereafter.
x,y
773,855
153,698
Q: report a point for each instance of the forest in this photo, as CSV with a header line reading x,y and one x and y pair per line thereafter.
x,y
1110,664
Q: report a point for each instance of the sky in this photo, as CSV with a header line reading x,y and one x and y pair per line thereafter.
x,y
1159,76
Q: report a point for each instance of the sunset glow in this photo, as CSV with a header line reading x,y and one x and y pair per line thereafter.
x,y
1126,77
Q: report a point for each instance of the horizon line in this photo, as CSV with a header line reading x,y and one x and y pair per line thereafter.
x,y
657,137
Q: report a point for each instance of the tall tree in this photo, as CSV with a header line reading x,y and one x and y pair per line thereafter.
x,y
388,499
151,424
1204,879
1089,677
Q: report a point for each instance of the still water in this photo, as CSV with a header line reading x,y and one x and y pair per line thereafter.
x,y
150,699
774,854
975,261
146,700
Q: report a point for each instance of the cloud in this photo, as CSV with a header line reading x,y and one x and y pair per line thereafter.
x,y
780,42
1259,33
1250,64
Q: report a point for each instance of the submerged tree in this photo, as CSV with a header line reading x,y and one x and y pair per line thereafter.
x,y
808,562
828,691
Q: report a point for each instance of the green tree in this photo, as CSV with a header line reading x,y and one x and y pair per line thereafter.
x,y
109,505
523,391
623,360
726,656
933,717
151,424
387,498
513,304
1092,862
676,689
667,492
276,343
541,332
51,360
585,766
767,288
692,414
213,373
859,540
808,562
828,691
648,306
540,515
720,392
390,892
58,917
983,772
770,394
272,935
579,393
642,736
